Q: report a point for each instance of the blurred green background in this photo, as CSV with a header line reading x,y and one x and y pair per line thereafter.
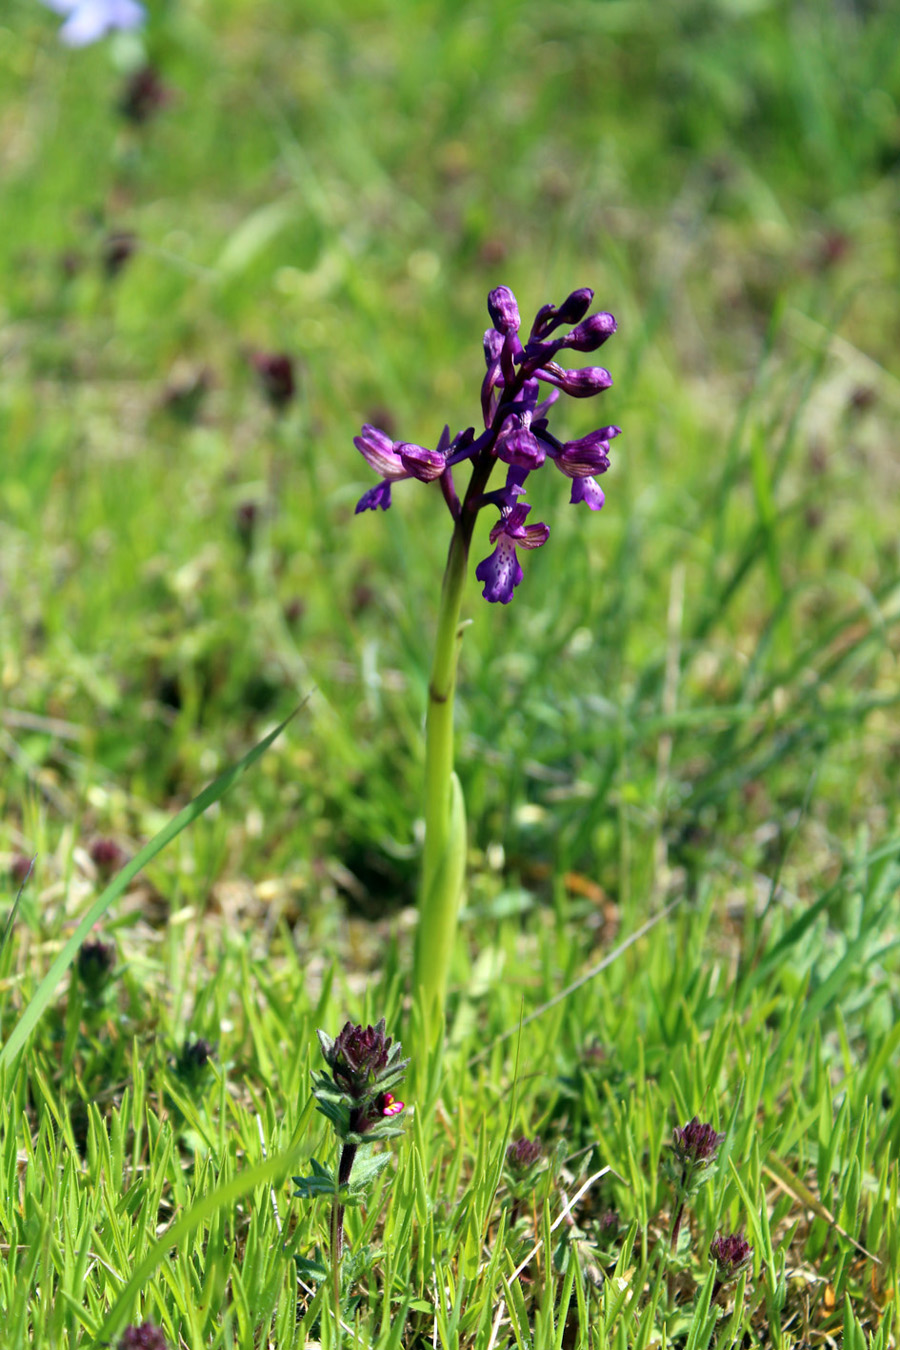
x,y
693,680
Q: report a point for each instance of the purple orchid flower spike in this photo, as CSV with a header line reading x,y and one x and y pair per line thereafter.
x,y
89,20
520,387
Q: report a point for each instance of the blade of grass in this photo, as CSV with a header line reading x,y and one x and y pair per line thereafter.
x,y
12,913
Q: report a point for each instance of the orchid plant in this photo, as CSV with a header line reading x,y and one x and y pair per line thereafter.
x,y
520,386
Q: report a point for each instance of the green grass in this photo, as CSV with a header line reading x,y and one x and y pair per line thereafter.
x,y
692,700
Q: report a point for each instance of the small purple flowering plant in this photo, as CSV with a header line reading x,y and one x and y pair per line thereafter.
x,y
95,967
143,1336
732,1254
690,1164
524,1162
522,382
356,1096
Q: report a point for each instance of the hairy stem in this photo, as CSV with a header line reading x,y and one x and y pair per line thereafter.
x,y
345,1167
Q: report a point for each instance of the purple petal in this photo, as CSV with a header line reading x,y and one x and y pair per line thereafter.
x,y
500,572
543,408
511,524
426,465
521,448
505,497
533,536
493,341
379,495
573,308
580,459
509,355
544,321
579,383
587,490
377,449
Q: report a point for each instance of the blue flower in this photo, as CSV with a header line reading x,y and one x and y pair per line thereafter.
x,y
88,20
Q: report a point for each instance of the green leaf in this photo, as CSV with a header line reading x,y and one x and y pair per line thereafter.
x,y
320,1182
310,1268
366,1168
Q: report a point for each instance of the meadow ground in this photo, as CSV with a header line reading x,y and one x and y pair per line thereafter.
x,y
692,701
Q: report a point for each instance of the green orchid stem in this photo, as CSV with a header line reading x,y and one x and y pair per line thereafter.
x,y
444,860
443,864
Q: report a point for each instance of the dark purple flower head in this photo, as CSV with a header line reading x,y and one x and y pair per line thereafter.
x,y
143,1337
19,868
520,387
697,1142
731,1253
246,519
365,1066
522,1155
118,248
94,964
359,1056
143,95
198,1052
194,1060
275,371
106,855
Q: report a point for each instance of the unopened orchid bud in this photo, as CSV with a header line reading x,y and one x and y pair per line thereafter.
x,y
591,334
582,383
426,465
575,305
504,310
